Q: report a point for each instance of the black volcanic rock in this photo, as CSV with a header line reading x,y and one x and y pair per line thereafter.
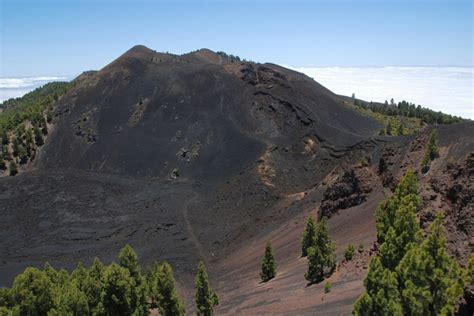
x,y
137,114
204,157
174,155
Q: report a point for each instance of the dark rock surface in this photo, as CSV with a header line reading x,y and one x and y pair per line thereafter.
x,y
350,189
199,156
175,155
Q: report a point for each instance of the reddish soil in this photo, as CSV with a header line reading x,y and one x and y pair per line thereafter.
x,y
200,157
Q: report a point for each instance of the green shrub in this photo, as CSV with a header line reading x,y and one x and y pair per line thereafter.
x,y
327,287
13,168
349,252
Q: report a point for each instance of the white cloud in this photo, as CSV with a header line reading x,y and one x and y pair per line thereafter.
x,y
17,87
446,89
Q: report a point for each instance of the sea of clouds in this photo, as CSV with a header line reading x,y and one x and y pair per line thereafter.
x,y
446,89
17,87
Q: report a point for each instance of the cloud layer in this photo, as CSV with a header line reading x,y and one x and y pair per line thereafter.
x,y
17,87
447,89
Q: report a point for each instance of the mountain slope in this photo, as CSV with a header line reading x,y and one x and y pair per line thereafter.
x,y
201,156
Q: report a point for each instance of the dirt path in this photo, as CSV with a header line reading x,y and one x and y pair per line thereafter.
x,y
189,227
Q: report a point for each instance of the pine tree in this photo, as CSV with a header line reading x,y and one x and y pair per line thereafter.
x,y
398,232
401,129
5,138
431,281
117,294
29,141
401,236
381,296
32,292
431,150
389,128
152,277
321,256
326,245
268,264
427,279
79,276
168,301
22,154
6,299
385,214
93,286
408,185
5,153
89,282
315,271
13,169
308,236
69,300
129,260
38,136
205,297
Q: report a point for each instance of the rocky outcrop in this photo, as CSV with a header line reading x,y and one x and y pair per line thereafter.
x,y
455,184
350,189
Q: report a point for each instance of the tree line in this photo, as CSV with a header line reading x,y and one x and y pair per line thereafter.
x,y
24,124
408,109
117,289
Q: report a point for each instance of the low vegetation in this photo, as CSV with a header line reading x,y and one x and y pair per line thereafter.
x,y
409,110
116,289
349,252
327,287
24,124
404,118
233,58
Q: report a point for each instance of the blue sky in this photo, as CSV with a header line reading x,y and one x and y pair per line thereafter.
x,y
41,37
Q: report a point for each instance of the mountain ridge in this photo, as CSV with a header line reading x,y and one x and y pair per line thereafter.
x,y
206,157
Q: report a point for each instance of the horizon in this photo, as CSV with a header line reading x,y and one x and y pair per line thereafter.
x,y
73,36
283,153
70,37
446,89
